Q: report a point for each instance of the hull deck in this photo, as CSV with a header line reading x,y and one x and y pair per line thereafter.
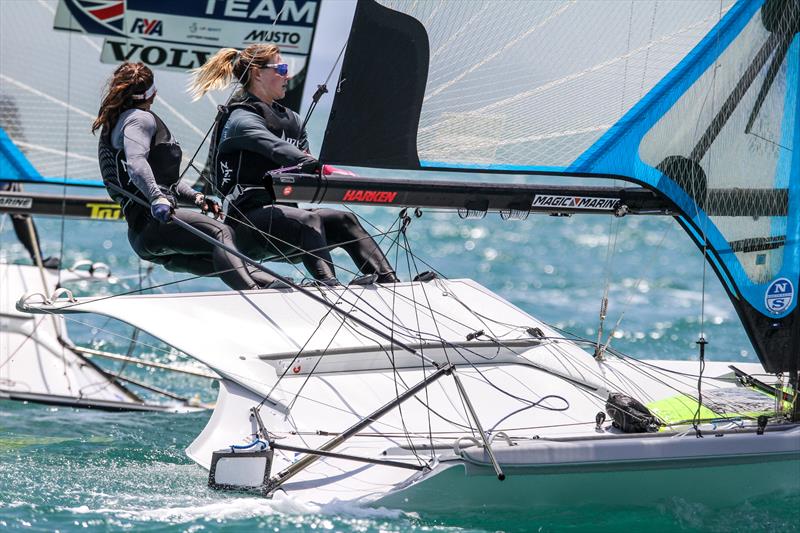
x,y
312,374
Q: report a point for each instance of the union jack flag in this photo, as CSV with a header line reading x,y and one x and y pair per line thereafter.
x,y
107,13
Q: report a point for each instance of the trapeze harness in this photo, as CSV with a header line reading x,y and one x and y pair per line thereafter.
x,y
240,174
164,159
276,231
168,244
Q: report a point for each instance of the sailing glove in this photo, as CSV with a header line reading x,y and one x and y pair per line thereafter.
x,y
327,170
207,205
161,210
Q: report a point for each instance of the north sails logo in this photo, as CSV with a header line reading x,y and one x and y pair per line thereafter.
x,y
574,202
779,295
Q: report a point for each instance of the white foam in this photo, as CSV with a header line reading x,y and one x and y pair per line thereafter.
x,y
244,508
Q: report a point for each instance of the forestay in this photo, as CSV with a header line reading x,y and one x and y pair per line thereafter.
x,y
696,100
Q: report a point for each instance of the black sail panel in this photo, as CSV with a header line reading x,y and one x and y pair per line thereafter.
x,y
375,115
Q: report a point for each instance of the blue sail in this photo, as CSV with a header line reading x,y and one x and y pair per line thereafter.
x,y
13,163
722,147
697,101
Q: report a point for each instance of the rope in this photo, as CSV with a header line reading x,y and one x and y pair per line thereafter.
x,y
701,340
322,89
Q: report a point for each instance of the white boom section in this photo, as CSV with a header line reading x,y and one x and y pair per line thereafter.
x,y
343,373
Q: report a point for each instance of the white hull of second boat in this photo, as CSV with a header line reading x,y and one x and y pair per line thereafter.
x,y
36,362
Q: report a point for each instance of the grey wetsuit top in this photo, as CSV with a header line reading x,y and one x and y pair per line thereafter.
x,y
134,132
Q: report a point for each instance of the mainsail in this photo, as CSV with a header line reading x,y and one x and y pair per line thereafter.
x,y
697,101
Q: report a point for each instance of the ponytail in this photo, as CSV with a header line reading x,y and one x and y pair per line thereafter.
x,y
229,65
216,73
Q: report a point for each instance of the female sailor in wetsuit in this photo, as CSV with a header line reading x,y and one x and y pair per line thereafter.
x,y
254,135
138,154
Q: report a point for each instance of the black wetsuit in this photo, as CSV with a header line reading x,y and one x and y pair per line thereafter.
x,y
158,178
252,138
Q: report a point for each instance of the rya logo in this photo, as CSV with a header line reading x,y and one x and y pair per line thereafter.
x,y
147,27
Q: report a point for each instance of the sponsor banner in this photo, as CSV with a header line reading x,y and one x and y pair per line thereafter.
x,y
168,34
15,202
378,197
574,202
156,55
104,211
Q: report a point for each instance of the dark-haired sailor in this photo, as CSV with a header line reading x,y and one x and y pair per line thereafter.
x,y
138,154
255,135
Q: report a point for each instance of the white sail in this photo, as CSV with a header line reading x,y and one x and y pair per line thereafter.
x,y
695,101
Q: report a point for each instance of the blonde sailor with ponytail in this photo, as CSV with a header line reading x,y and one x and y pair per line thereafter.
x,y
254,135
228,66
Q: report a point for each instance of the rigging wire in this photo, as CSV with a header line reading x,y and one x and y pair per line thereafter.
x,y
63,207
424,366
629,299
397,376
322,89
607,274
406,220
298,355
701,340
458,350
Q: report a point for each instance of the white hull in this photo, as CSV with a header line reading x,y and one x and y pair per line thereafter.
x,y
549,455
36,362
559,467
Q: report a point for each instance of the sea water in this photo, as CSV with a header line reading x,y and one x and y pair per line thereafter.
x,y
65,469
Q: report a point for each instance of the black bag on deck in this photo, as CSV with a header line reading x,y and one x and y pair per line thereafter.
x,y
629,415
